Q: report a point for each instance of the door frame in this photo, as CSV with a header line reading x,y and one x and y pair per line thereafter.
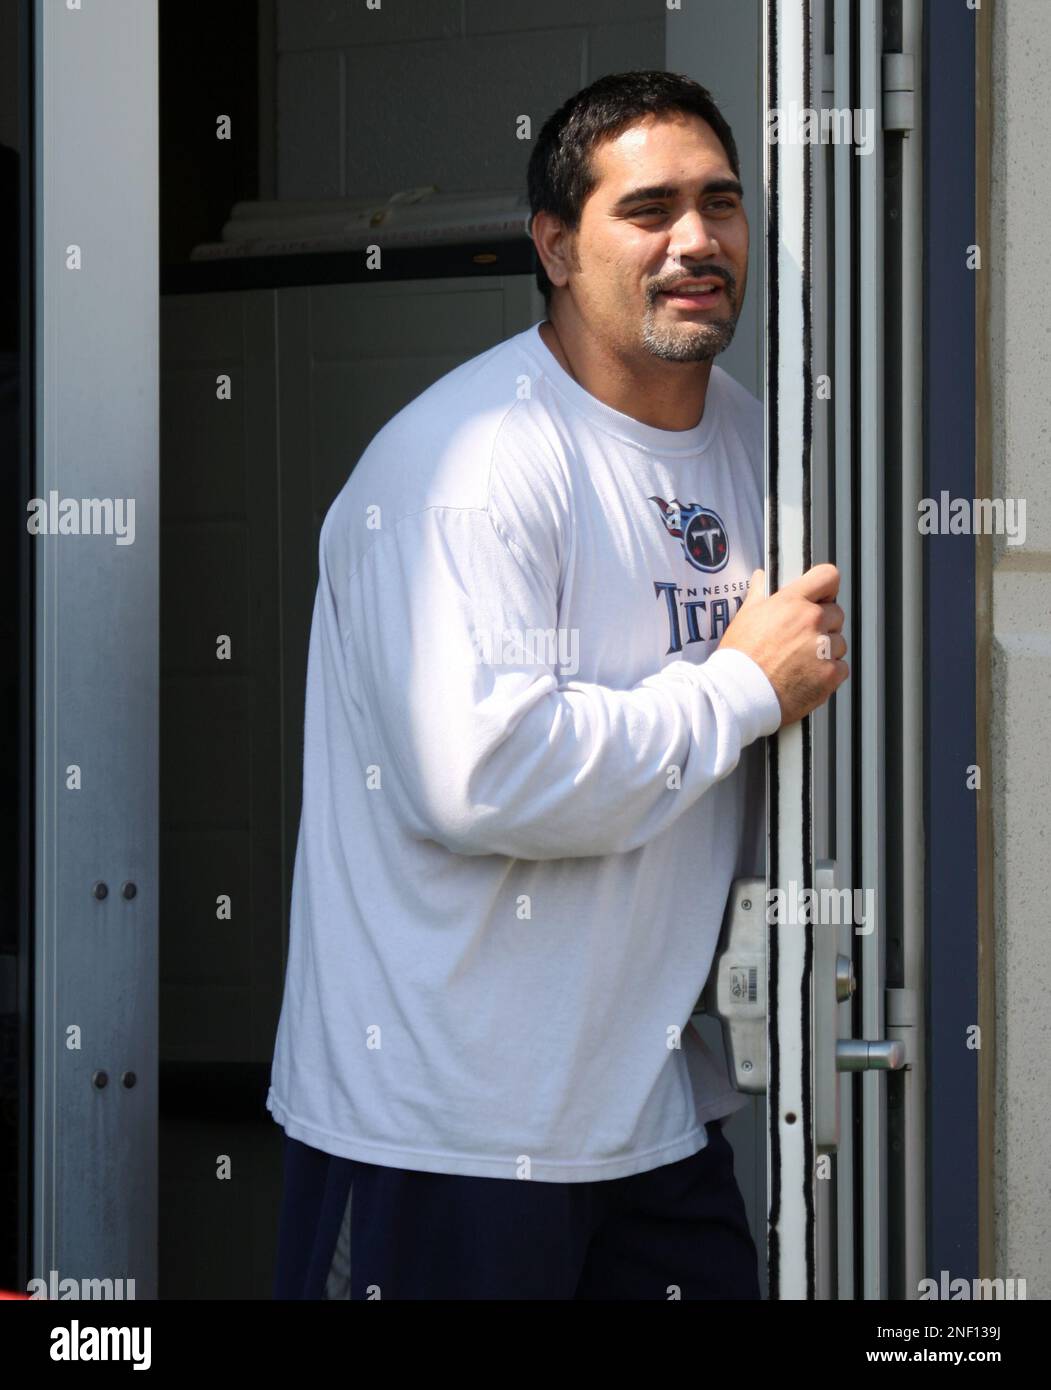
x,y
96,610
95,674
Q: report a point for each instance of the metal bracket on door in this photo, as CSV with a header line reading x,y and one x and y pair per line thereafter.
x,y
736,989
736,994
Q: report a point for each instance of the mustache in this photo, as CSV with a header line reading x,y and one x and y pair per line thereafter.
x,y
727,277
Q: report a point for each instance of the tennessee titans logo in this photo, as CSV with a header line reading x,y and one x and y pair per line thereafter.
x,y
704,540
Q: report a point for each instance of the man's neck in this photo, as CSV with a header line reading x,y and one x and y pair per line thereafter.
x,y
665,395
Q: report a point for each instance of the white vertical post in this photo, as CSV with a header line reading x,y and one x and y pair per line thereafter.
x,y
790,1143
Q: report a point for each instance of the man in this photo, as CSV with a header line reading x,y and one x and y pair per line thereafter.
x,y
539,649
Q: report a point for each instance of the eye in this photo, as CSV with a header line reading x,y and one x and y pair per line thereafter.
x,y
717,205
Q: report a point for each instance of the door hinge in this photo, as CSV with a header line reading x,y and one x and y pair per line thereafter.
x,y
899,91
902,1015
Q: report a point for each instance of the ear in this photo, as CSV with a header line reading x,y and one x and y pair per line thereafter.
x,y
554,246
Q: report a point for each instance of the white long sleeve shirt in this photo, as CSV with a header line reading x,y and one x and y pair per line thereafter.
x,y
524,796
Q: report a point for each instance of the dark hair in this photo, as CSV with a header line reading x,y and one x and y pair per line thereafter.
x,y
560,175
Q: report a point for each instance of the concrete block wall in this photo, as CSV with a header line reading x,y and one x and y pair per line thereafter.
x,y
424,92
1020,360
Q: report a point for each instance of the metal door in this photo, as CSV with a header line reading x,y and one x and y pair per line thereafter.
x,y
836,432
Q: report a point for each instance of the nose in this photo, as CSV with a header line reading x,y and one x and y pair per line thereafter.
x,y
692,238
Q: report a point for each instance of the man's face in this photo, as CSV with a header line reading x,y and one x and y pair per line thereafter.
x,y
666,209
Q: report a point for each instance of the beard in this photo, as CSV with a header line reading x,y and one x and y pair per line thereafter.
x,y
690,340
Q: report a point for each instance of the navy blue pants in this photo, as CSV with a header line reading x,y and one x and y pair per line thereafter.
x,y
678,1231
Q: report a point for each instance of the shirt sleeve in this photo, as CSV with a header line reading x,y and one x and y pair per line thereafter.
x,y
454,636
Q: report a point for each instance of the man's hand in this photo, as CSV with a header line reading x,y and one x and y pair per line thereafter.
x,y
796,637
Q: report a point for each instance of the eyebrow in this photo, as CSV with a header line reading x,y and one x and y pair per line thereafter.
x,y
662,190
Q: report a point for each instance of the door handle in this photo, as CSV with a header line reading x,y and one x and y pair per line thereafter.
x,y
861,1054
